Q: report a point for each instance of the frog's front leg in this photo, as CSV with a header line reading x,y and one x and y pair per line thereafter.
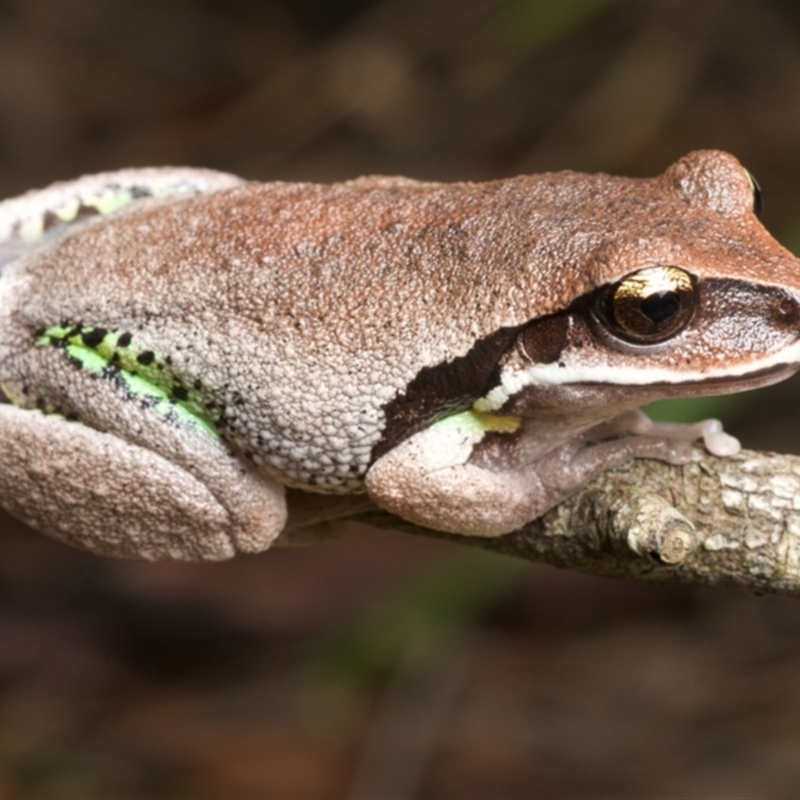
x,y
435,478
100,492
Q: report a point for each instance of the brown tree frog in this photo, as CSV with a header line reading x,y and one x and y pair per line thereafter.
x,y
182,352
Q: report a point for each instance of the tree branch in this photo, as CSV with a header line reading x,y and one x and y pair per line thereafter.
x,y
715,522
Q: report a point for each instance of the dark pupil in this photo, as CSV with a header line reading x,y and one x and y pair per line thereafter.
x,y
660,306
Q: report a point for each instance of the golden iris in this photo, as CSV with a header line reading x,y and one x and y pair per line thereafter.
x,y
651,305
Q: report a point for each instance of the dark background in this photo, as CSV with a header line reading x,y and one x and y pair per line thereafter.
x,y
383,665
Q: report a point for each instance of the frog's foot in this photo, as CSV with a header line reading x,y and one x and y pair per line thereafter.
x,y
99,492
716,441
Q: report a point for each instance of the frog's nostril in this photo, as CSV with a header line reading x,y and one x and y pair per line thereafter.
x,y
787,310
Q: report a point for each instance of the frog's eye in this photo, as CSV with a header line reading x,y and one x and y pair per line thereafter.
x,y
650,305
758,198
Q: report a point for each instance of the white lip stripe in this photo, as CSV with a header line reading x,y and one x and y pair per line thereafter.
x,y
639,375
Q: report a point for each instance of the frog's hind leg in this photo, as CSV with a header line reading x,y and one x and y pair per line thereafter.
x,y
42,215
97,491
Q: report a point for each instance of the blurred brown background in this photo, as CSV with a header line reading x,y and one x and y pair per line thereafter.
x,y
382,665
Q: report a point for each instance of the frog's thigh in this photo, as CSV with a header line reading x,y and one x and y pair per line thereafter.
x,y
427,480
96,491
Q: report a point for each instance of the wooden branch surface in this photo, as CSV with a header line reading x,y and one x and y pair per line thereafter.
x,y
714,521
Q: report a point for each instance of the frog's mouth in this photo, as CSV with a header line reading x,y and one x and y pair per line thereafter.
x,y
594,393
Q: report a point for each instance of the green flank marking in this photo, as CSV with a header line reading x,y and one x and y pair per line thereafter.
x,y
145,376
478,422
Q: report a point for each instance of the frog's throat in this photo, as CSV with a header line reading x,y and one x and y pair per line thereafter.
x,y
142,374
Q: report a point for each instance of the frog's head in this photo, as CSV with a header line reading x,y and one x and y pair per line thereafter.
x,y
688,295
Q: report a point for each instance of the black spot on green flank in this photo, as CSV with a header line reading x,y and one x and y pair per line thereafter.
x,y
93,336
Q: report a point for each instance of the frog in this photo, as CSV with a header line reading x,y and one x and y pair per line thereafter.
x,y
194,365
